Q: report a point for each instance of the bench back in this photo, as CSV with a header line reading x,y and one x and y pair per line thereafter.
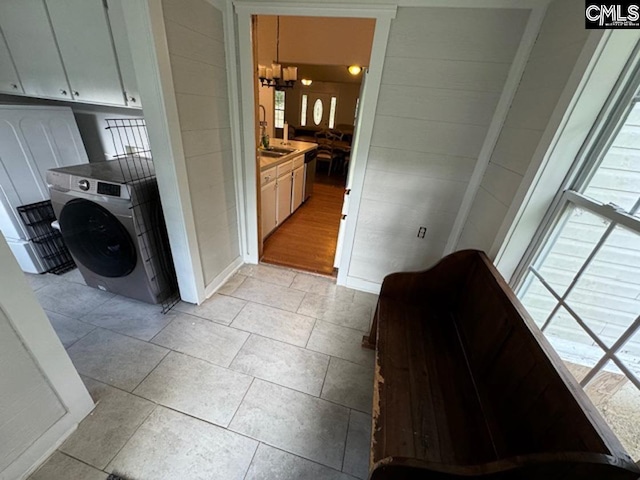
x,y
531,402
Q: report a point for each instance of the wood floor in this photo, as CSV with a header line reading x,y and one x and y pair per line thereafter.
x,y
307,239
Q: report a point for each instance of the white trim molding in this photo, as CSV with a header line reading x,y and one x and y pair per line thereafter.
x,y
383,15
602,60
516,71
148,41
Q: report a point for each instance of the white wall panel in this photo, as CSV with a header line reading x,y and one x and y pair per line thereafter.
x,y
561,39
443,76
196,50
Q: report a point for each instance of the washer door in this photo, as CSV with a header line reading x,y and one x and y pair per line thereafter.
x,y
97,239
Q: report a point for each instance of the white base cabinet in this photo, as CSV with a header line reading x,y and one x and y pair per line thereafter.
x,y
282,192
297,189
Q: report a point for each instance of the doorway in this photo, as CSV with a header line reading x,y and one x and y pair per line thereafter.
x,y
315,116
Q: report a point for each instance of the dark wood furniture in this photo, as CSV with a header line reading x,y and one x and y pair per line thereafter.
x,y
466,386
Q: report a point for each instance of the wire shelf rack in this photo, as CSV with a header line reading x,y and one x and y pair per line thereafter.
x,y
131,143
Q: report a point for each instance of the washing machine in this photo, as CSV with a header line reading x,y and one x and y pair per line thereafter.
x,y
110,217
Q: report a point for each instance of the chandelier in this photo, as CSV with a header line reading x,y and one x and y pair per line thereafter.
x,y
277,76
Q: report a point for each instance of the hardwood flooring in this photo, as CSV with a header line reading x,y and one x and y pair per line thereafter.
x,y
307,239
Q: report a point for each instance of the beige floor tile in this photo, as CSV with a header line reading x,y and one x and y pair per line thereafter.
x,y
356,457
196,387
115,359
340,342
349,384
283,364
61,466
202,339
270,463
104,431
219,308
295,422
173,445
277,296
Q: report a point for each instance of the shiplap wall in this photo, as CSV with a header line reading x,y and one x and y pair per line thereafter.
x,y
444,72
552,59
195,39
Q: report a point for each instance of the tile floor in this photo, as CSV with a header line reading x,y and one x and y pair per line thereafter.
x,y
266,380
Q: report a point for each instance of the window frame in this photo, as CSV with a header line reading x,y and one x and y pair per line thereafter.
x,y
624,97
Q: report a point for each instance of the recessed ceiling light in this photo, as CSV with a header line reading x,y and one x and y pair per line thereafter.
x,y
354,69
306,82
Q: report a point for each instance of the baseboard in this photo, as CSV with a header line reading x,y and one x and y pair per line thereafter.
x,y
363,285
222,278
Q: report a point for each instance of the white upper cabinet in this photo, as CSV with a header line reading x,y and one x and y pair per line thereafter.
x,y
82,30
28,33
9,81
123,52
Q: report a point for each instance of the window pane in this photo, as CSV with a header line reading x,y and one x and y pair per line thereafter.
x,y
317,112
279,118
607,295
332,112
303,111
629,354
618,401
572,343
573,240
617,179
537,300
279,100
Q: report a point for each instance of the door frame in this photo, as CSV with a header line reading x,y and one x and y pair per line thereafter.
x,y
246,110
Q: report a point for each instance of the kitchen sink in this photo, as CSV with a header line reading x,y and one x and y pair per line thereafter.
x,y
276,152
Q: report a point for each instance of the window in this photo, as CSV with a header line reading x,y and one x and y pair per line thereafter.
x,y
303,111
279,109
332,112
583,286
318,110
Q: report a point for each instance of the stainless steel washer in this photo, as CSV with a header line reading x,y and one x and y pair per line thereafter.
x,y
111,220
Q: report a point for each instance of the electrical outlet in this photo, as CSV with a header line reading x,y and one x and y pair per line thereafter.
x,y
422,231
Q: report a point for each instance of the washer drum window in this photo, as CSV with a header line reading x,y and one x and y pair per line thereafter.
x,y
97,239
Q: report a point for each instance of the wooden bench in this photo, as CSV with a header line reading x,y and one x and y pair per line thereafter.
x,y
466,386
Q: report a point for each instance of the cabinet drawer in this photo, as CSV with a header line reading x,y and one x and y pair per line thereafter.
x,y
285,167
268,175
298,161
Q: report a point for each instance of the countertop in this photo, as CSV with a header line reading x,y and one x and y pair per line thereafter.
x,y
301,149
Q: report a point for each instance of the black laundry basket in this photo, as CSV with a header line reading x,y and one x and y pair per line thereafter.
x,y
47,241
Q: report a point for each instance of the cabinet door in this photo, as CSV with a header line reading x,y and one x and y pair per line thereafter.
x,y
26,28
268,207
123,52
82,31
9,81
298,188
284,197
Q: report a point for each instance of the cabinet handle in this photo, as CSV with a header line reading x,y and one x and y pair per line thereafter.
x,y
132,99
76,93
14,86
63,91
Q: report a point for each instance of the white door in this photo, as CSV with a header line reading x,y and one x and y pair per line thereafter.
x,y
318,109
347,191
297,188
33,140
268,200
43,398
123,52
284,197
26,27
9,81
82,31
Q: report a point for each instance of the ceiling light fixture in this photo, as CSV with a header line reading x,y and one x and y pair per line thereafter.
x,y
306,82
277,76
354,69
